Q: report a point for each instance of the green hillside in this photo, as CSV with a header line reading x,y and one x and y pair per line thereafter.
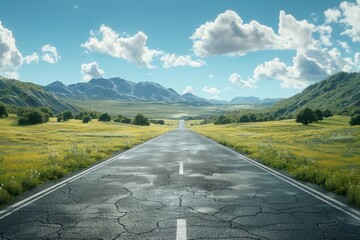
x,y
21,94
340,93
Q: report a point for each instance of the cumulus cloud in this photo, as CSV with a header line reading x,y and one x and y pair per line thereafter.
x,y
188,89
228,34
50,54
34,57
310,65
294,34
171,60
130,48
91,70
236,79
332,15
357,61
345,46
211,90
10,57
325,34
351,18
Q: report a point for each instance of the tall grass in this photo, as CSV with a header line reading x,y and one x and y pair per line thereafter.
x,y
325,153
32,155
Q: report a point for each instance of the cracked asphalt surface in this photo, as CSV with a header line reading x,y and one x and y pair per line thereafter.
x,y
140,195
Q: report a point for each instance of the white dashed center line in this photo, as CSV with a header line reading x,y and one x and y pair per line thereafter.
x,y
181,167
181,229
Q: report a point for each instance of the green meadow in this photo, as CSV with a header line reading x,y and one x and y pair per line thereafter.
x,y
32,155
326,153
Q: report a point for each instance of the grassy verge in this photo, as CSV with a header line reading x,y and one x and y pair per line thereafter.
x,y
32,155
326,153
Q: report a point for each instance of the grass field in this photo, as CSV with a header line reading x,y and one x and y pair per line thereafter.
x,y
155,110
32,155
326,153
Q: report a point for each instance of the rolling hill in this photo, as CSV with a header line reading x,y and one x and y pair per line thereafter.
x,y
340,93
21,94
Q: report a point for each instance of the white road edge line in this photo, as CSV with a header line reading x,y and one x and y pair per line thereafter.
x,y
17,206
330,201
181,167
181,229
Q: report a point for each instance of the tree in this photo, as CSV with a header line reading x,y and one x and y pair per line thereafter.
x,y
319,114
306,116
86,119
33,117
327,113
3,111
141,120
355,120
105,117
244,118
67,115
252,117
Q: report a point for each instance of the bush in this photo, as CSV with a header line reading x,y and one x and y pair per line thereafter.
x,y
244,118
160,122
86,119
141,120
67,115
122,119
355,120
3,111
319,114
105,117
13,188
29,183
5,197
327,113
33,117
306,116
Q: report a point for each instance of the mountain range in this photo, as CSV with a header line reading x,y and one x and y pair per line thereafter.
x,y
120,89
339,92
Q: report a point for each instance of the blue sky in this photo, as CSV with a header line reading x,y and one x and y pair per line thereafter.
x,y
215,49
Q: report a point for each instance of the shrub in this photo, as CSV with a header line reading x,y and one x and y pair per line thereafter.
x,y
29,183
33,117
67,115
13,188
105,117
355,120
3,111
327,113
306,116
86,119
5,197
319,114
244,118
141,120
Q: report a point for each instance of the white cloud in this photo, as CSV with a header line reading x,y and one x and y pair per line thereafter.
x,y
228,34
130,48
50,54
211,76
171,60
236,79
357,60
345,46
310,65
294,34
332,15
211,90
228,89
188,89
34,57
91,70
325,34
76,7
351,18
10,57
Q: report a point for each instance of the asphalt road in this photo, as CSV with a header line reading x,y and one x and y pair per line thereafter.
x,y
179,186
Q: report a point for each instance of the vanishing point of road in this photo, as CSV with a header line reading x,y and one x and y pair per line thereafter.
x,y
179,186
